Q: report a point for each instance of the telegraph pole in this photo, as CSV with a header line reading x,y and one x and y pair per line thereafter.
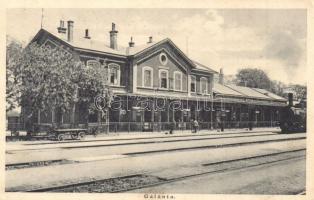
x,y
187,45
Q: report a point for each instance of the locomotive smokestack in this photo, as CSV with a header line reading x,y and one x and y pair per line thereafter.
x,y
290,99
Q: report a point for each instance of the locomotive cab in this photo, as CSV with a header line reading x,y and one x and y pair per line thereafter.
x,y
293,118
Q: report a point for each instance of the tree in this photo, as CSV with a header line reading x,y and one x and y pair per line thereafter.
x,y
95,91
253,77
278,88
300,91
229,79
49,78
13,56
52,78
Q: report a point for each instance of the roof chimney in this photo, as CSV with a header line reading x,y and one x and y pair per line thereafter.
x,y
61,28
131,43
150,40
86,34
113,37
70,30
221,76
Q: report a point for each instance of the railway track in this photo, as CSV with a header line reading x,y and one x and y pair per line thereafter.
x,y
213,146
42,163
139,181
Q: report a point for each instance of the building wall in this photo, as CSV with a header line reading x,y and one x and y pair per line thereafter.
x,y
198,77
106,60
151,58
156,65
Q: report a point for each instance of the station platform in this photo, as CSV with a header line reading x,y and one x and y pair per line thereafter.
x,y
135,135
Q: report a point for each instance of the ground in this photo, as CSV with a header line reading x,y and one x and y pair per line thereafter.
x,y
168,157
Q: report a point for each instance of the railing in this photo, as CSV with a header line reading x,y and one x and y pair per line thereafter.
x,y
182,126
149,126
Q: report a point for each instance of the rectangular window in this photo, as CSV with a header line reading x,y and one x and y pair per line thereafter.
x,y
204,85
114,74
164,79
147,78
193,84
177,81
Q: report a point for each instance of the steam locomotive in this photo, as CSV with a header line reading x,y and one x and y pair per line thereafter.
x,y
293,117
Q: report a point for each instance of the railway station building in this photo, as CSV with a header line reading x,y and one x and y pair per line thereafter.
x,y
156,85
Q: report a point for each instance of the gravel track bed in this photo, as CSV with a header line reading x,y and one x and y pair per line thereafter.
x,y
112,185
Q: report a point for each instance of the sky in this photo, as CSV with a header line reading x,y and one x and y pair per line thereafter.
x,y
273,40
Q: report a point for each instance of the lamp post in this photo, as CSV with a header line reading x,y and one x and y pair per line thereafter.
x,y
211,110
256,113
222,115
154,108
221,112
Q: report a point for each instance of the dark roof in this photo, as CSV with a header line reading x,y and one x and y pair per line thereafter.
x,y
100,46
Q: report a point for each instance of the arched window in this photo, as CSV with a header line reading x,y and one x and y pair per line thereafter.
x,y
114,74
163,78
204,85
177,76
147,74
93,63
193,83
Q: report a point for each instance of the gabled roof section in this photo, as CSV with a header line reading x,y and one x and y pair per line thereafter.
x,y
98,46
245,92
201,67
221,89
143,49
270,94
81,43
139,48
248,92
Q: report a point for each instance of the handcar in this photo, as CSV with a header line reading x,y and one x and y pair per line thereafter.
x,y
67,133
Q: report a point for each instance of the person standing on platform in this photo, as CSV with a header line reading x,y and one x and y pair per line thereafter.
x,y
195,125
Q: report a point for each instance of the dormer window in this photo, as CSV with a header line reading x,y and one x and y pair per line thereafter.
x,y
114,74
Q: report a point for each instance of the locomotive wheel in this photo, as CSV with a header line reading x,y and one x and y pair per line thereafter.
x,y
60,137
81,135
